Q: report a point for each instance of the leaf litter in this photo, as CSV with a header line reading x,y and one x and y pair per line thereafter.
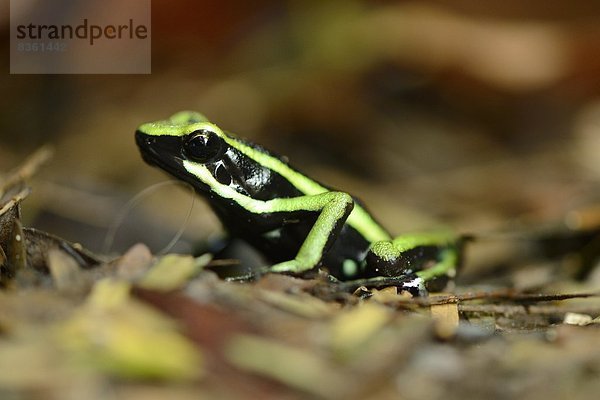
x,y
72,323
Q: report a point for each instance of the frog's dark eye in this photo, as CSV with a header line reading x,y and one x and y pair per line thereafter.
x,y
202,146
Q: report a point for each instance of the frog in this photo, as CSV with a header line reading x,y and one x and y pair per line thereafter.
x,y
298,223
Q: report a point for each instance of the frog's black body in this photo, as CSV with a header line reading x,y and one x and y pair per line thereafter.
x,y
278,235
292,219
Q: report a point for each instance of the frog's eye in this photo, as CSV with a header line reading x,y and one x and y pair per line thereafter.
x,y
202,146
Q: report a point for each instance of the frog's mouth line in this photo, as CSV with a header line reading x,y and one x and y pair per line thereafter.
x,y
161,151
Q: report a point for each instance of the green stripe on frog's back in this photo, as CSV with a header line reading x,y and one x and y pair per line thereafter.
x,y
179,124
359,219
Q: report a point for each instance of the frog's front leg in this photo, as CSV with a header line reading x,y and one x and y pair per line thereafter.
x,y
426,257
333,208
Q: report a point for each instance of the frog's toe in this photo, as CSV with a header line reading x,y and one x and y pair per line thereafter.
x,y
291,266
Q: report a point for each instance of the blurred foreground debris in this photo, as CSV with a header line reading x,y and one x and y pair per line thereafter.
x,y
139,326
23,251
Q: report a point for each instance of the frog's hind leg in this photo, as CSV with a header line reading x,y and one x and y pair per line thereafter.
x,y
427,258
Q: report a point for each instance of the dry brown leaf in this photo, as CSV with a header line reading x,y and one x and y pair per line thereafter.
x,y
64,270
446,319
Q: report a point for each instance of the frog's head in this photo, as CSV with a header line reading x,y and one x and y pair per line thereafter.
x,y
191,148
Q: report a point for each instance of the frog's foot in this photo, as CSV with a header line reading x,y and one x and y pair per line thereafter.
x,y
291,266
432,258
253,275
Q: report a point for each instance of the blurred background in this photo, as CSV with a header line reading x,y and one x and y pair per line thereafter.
x,y
481,116
450,112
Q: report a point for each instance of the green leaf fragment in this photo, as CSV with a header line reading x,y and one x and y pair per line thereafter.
x,y
123,337
173,271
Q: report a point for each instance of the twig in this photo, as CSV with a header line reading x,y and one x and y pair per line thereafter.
x,y
511,310
28,168
502,294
